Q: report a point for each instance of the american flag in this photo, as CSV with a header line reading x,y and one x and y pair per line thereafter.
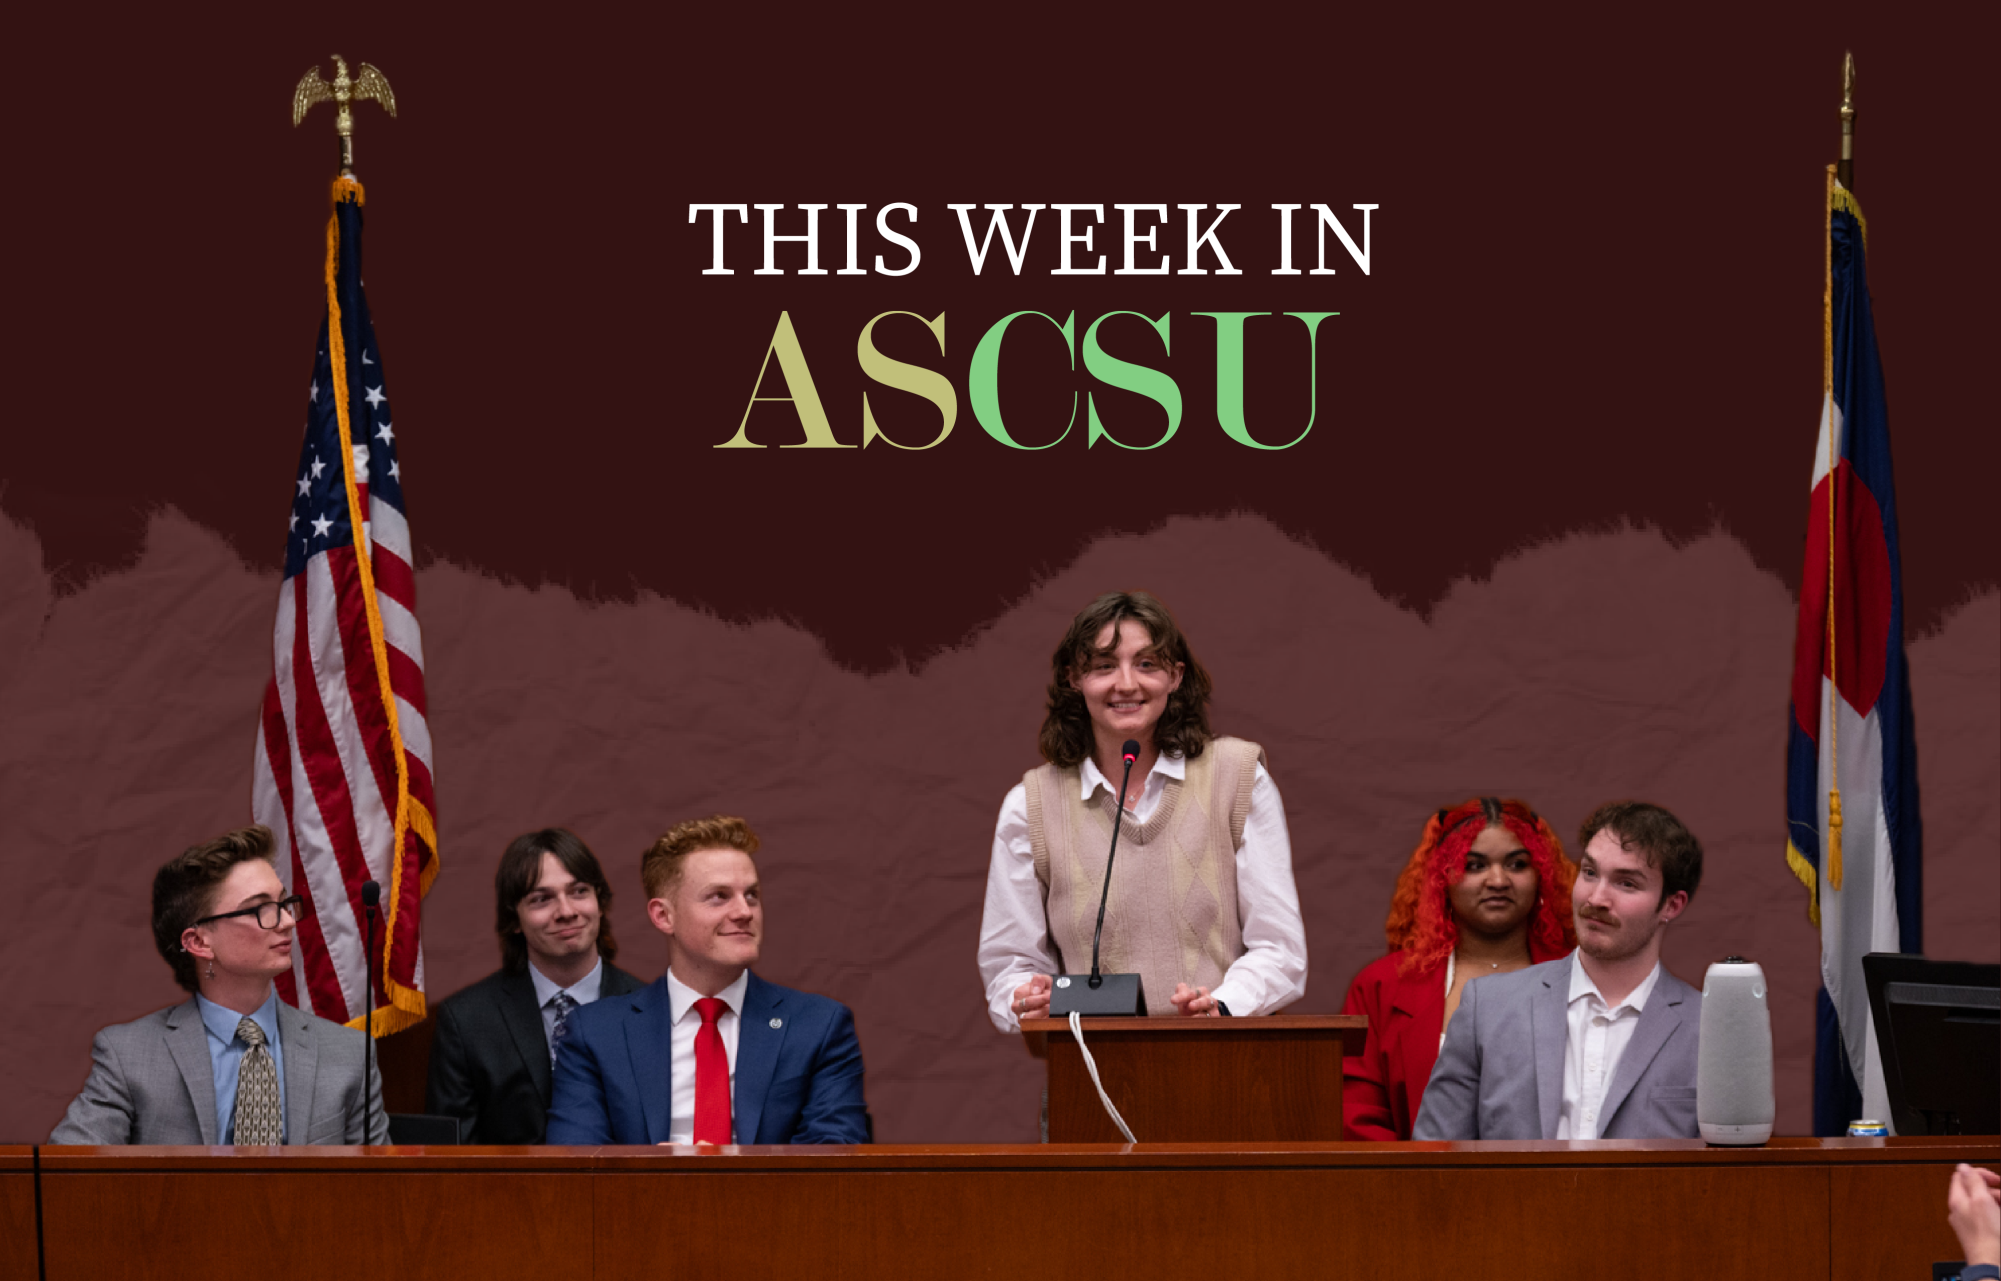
x,y
343,767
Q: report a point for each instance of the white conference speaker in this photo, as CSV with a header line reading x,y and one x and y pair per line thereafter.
x,y
1733,1075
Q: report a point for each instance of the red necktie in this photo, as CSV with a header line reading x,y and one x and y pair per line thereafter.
x,y
712,1075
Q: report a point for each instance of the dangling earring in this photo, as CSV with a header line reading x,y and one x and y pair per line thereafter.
x,y
211,969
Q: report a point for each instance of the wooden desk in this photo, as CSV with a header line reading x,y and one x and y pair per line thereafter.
x,y
1833,1208
336,1213
17,1214
1263,1080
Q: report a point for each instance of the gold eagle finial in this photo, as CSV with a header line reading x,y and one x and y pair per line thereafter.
x,y
343,93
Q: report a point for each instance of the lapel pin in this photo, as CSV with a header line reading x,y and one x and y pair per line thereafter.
x,y
777,1023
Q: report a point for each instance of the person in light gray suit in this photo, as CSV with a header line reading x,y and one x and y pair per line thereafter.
x,y
233,1065
1601,1044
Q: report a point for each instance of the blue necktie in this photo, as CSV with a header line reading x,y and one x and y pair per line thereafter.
x,y
564,1003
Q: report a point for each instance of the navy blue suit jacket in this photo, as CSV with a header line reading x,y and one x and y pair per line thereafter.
x,y
798,1070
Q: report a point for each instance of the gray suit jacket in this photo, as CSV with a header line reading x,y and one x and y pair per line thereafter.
x,y
151,1083
1500,1073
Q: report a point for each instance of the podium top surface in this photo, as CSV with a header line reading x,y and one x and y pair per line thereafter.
x,y
1209,1027
1349,1031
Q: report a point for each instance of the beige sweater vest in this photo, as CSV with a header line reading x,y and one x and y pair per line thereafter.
x,y
1172,916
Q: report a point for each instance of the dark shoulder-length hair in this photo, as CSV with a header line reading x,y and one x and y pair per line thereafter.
x,y
1183,729
521,866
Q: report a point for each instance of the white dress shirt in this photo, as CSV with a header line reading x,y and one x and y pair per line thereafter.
x,y
688,1021
1598,1036
1014,929
583,992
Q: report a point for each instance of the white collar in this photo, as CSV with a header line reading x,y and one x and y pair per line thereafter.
x,y
583,991
1582,985
1090,778
681,998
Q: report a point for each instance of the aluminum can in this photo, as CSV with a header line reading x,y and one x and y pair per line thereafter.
x,y
1868,1130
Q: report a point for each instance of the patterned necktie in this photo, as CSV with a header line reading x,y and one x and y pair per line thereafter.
x,y
564,1003
712,1075
258,1119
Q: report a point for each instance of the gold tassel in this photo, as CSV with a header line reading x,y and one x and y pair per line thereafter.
x,y
1834,837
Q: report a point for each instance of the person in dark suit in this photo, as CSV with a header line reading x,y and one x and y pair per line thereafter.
x,y
233,1064
1602,1044
710,1053
1486,892
495,1042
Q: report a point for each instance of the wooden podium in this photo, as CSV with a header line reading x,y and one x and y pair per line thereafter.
x,y
1175,1080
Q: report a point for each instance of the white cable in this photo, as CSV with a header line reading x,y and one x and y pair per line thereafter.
x,y
1091,1066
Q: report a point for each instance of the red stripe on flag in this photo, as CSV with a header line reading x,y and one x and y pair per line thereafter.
x,y
322,984
364,687
420,783
1862,603
321,759
406,679
277,751
321,981
394,578
404,947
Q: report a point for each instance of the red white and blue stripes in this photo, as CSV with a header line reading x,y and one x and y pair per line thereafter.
x,y
343,767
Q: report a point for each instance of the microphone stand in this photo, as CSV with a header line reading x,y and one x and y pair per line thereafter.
x,y
1105,896
1097,993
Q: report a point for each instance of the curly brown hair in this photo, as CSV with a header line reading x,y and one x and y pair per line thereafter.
x,y
1183,730
660,867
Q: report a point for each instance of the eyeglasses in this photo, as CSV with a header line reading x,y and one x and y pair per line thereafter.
x,y
266,913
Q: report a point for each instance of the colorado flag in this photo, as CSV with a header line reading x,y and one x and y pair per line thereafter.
x,y
1852,755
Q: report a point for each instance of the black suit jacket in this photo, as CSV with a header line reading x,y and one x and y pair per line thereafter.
x,y
490,1059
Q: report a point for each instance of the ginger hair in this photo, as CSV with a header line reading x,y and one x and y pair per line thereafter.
x,y
1422,924
661,866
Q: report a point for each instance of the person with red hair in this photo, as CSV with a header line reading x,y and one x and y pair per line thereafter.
x,y
1487,891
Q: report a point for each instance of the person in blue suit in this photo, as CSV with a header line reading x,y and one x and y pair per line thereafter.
x,y
708,1053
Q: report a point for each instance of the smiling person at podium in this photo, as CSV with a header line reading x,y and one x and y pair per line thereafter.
x,y
1203,905
1487,891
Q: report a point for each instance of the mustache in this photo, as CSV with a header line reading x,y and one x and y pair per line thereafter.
x,y
1603,918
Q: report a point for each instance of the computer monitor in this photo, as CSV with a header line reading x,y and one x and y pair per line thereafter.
x,y
1938,1027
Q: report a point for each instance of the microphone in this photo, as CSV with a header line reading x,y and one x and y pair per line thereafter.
x,y
1097,993
371,895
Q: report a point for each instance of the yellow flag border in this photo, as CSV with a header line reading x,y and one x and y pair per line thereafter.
x,y
407,1005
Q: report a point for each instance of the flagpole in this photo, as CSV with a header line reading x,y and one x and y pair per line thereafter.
x,y
1844,176
1845,172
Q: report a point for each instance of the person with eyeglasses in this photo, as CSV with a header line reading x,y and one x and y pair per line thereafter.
x,y
233,1064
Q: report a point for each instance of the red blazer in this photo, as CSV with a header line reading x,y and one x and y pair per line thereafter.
x,y
1382,1087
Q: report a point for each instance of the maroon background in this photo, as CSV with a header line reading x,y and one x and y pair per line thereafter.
x,y
1594,304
